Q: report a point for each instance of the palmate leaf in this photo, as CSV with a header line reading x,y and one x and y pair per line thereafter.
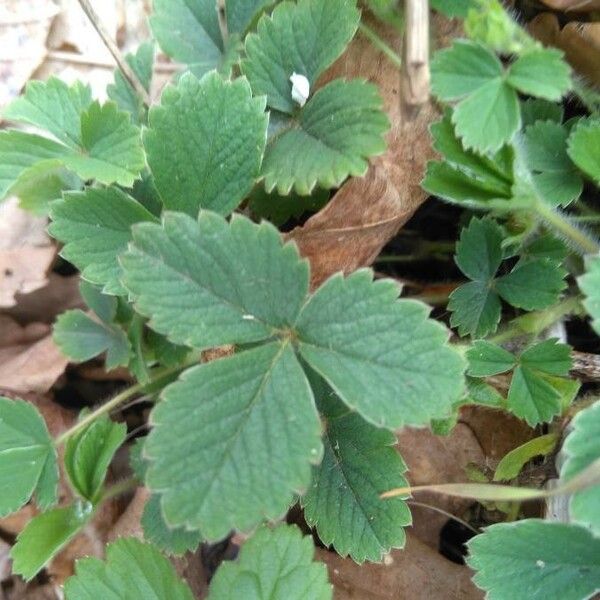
x,y
359,464
535,559
44,536
582,448
331,138
274,564
132,570
584,147
95,227
222,127
27,458
304,38
256,450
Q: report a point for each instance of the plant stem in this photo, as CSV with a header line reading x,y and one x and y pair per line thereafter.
x,y
121,487
563,225
380,44
123,65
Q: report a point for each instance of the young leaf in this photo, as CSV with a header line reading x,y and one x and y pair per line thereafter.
x,y
112,151
542,73
303,38
338,129
203,283
27,457
44,536
584,147
544,247
54,106
554,174
81,337
132,570
222,127
360,338
175,541
189,33
550,560
359,464
89,454
582,448
273,563
95,226
589,283
513,462
536,109
487,359
256,450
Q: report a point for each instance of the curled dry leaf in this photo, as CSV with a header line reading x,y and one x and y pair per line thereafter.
x,y
368,211
418,571
573,5
579,41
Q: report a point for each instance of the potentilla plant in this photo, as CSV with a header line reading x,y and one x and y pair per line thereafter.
x,y
303,403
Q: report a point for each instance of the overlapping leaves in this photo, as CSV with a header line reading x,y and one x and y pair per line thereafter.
x,y
208,283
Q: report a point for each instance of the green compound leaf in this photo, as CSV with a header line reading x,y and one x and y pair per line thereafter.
x,y
112,152
89,453
54,106
303,38
554,174
259,429
175,541
222,127
487,359
589,283
121,91
44,536
542,73
95,226
536,559
274,564
80,337
208,279
188,31
359,464
132,570
582,448
359,337
330,139
27,457
584,147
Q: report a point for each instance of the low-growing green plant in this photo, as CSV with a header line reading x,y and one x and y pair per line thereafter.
x,y
302,405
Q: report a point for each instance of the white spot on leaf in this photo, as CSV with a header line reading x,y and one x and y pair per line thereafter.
x,y
300,88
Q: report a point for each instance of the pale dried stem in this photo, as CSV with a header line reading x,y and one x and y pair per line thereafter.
x,y
415,74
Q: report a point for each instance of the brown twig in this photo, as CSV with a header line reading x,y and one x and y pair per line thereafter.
x,y
92,61
415,74
586,367
123,65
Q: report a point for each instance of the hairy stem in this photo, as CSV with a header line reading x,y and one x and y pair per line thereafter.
x,y
123,65
380,44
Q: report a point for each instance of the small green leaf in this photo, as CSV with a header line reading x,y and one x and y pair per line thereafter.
x,y
479,249
112,149
202,283
513,462
542,73
487,359
256,450
359,464
548,356
544,247
81,337
304,38
132,570
95,226
555,561
457,8
222,127
280,209
104,306
334,134
175,541
584,147
44,536
475,308
54,106
479,392
589,283
582,448
188,31
462,69
89,453
273,564
536,109
359,337
27,457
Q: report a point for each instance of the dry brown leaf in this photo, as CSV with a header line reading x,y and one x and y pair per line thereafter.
x,y
415,572
579,41
368,211
573,5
